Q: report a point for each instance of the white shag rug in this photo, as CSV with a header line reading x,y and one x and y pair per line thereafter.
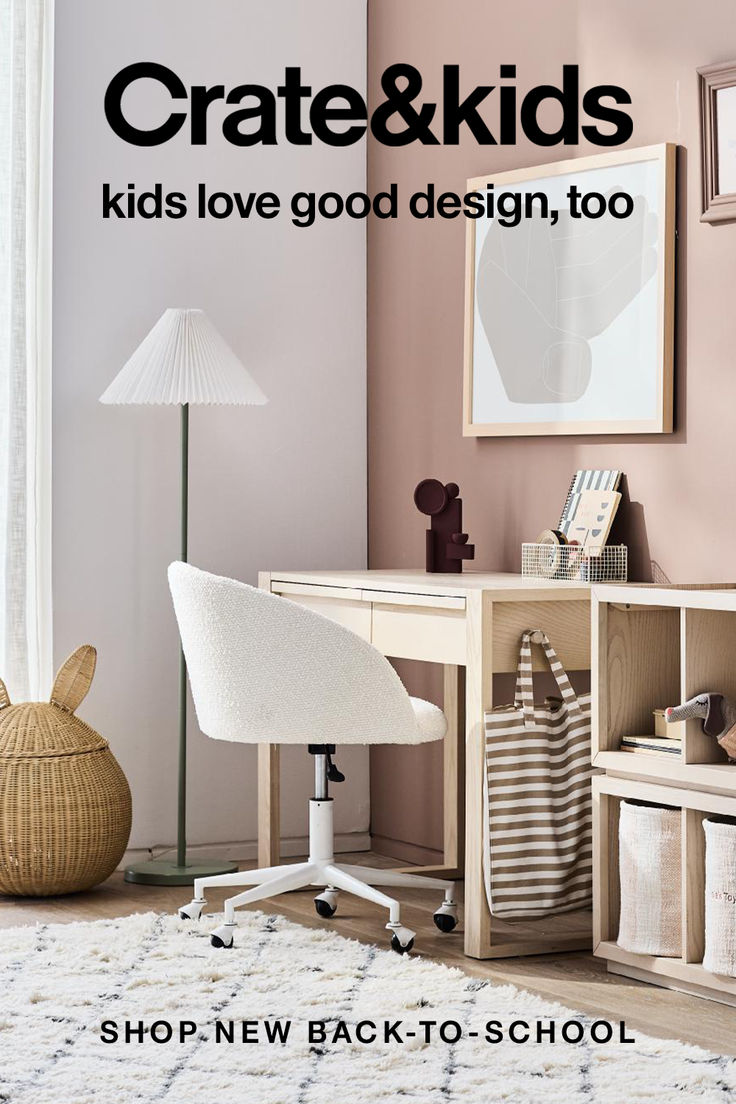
x,y
59,984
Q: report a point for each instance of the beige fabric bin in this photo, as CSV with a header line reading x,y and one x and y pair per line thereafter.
x,y
720,895
650,864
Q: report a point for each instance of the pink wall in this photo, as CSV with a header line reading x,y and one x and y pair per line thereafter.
x,y
681,486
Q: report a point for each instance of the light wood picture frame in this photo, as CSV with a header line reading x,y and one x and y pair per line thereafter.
x,y
569,323
718,141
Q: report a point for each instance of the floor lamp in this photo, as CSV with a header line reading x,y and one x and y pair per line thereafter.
x,y
183,361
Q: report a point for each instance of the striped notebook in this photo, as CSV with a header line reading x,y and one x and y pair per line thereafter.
x,y
538,846
588,480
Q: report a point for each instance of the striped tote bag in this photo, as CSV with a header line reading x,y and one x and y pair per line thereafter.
x,y
538,810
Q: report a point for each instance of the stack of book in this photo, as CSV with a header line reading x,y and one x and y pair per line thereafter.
x,y
667,739
651,745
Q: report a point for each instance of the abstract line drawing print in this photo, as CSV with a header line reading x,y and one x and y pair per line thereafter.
x,y
544,291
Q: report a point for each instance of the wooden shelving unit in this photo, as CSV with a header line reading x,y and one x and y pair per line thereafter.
x,y
653,647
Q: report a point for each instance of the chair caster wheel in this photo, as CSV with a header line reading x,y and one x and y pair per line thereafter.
x,y
222,936
399,947
402,939
192,911
445,918
326,904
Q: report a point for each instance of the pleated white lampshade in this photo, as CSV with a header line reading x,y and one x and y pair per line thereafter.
x,y
184,360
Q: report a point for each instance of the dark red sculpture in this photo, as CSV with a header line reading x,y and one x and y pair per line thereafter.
x,y
447,545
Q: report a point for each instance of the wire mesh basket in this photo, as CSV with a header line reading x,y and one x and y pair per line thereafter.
x,y
608,564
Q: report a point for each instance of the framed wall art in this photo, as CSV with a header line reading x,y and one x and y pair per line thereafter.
x,y
569,320
718,141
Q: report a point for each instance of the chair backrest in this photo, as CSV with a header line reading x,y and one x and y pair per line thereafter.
x,y
266,670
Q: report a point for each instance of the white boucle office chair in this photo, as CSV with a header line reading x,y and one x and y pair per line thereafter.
x,y
266,670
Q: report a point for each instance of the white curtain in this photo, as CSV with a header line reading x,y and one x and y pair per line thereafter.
x,y
26,98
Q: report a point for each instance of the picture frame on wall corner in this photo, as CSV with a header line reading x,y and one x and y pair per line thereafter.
x,y
569,321
718,141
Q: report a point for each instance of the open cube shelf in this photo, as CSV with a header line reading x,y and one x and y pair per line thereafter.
x,y
685,972
654,647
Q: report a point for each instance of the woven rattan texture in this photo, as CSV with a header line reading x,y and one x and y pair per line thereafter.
x,y
65,807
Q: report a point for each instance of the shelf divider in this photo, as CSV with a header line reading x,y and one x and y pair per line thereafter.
x,y
607,899
709,664
693,886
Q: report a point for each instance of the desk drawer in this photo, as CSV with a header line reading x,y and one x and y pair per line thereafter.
x,y
353,615
432,635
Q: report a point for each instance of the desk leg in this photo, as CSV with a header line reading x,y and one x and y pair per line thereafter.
x,y
269,813
453,784
477,699
454,768
269,786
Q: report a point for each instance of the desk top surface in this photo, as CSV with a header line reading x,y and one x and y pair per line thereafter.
x,y
417,581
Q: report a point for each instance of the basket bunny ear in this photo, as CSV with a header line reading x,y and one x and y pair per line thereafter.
x,y
74,678
4,697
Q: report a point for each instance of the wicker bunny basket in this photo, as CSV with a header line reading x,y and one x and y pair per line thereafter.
x,y
65,804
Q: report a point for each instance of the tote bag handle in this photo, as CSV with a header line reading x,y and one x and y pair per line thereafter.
x,y
524,686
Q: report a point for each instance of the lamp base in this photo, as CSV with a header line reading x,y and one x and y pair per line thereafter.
x,y
166,873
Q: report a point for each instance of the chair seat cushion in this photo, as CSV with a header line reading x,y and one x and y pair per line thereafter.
x,y
431,721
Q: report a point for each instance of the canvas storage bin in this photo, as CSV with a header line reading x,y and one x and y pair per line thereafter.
x,y
720,895
650,865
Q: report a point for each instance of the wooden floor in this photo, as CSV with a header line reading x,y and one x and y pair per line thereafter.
x,y
577,980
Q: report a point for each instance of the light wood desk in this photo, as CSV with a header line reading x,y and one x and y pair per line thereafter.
x,y
471,624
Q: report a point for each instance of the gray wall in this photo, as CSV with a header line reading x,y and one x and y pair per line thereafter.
x,y
276,486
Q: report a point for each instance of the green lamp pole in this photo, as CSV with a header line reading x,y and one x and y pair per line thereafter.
x,y
183,360
181,872
181,809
